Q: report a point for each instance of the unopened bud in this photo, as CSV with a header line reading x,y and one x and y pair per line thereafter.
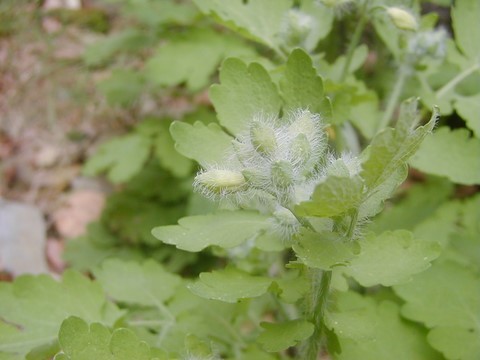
x,y
282,174
402,19
263,138
304,123
218,181
301,149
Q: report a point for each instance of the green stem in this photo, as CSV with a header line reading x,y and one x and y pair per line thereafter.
x,y
457,79
319,289
354,41
394,97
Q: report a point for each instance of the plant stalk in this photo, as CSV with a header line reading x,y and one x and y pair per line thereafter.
x,y
393,99
354,41
319,289
457,79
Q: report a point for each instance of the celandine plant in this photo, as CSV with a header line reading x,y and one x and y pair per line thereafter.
x,y
288,246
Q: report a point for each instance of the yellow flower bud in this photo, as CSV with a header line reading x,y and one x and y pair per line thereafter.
x,y
402,19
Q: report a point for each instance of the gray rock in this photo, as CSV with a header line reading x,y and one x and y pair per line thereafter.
x,y
22,239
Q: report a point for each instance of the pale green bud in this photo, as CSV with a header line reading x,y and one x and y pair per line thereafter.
x,y
301,149
263,138
282,174
217,181
304,123
402,19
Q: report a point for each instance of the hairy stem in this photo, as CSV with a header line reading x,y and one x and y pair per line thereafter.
x,y
354,41
393,99
457,79
318,297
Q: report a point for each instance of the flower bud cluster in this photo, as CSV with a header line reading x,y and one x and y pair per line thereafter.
x,y
427,45
269,159
296,27
275,163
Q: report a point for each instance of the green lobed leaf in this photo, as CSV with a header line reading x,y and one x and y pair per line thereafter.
x,y
466,25
123,87
450,153
300,86
143,284
33,308
226,229
446,298
469,108
258,20
333,197
191,140
167,155
391,148
323,250
79,341
230,285
391,258
243,92
122,158
280,336
386,335
195,71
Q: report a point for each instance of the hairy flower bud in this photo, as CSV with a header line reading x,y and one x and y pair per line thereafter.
x,y
402,19
282,174
296,27
301,149
263,138
216,182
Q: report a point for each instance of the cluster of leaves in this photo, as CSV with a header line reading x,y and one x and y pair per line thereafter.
x,y
405,281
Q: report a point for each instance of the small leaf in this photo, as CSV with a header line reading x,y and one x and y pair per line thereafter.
x,y
280,336
300,86
230,285
391,258
333,196
322,250
243,93
122,158
226,229
450,153
79,341
142,284
190,141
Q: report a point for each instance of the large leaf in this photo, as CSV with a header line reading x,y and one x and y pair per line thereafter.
x,y
446,298
466,24
469,108
260,20
79,341
450,153
191,141
244,92
385,335
33,308
280,336
133,283
195,71
226,229
391,258
230,285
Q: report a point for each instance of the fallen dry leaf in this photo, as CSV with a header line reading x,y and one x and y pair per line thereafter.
x,y
81,207
54,251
